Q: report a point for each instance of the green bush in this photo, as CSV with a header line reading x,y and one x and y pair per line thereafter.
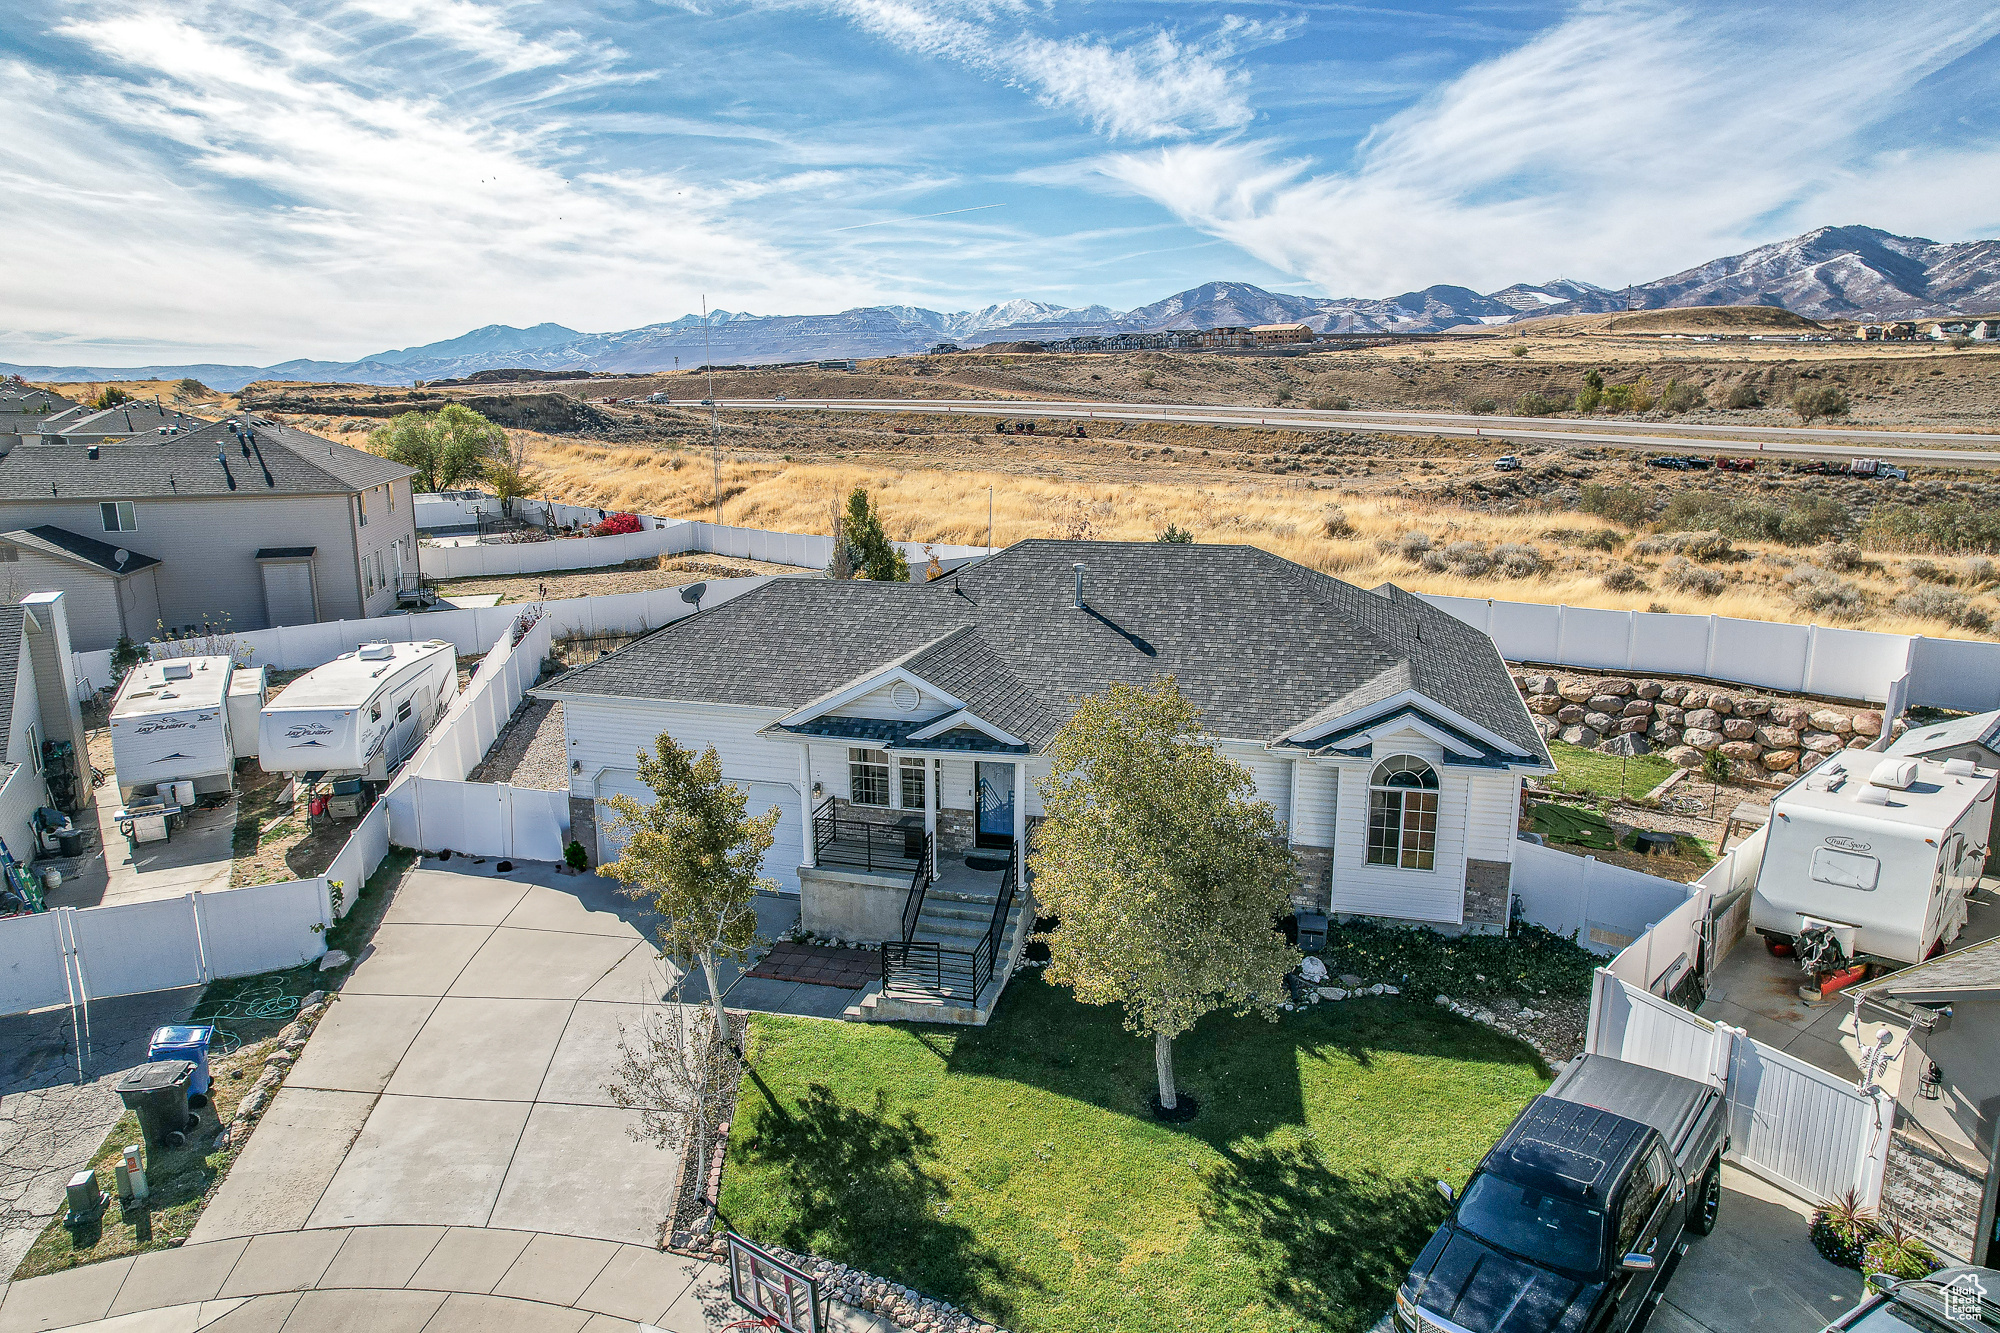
x,y
1953,608
1175,535
1684,575
1535,404
1841,1229
1743,394
1528,964
1819,400
1949,525
1622,578
1809,519
1678,397
1621,504
1900,1254
1482,406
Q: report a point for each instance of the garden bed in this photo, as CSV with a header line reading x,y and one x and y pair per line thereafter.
x,y
1014,1170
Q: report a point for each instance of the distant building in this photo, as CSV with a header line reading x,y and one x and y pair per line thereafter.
x,y
24,412
84,425
1276,335
945,349
834,365
1228,337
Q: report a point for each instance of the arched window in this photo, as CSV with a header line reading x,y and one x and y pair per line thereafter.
x,y
1403,814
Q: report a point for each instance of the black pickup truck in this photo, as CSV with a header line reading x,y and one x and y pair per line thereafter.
x,y
1573,1221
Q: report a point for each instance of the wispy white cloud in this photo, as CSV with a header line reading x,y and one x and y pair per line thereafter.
x,y
1628,140
1152,85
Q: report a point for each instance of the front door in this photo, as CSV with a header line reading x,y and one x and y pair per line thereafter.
x,y
994,785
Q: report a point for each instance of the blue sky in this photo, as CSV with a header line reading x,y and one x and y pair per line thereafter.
x,y
250,180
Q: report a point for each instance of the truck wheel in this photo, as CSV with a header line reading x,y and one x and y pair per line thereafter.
x,y
1707,1201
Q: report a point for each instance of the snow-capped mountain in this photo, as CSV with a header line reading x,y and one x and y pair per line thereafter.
x,y
1833,272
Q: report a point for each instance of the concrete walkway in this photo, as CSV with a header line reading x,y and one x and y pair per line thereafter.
x,y
391,1279
1757,1272
196,859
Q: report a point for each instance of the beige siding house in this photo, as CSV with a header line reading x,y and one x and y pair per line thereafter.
x,y
241,524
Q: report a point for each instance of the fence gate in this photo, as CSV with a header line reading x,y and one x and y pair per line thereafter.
x,y
1805,1129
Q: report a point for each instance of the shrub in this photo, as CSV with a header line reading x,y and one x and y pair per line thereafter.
x,y
191,387
1923,571
1814,589
1948,525
1468,558
1333,522
1678,397
1283,395
1591,394
1980,570
575,856
1841,1229
110,396
1953,608
1482,406
1174,535
1809,519
1621,504
1517,560
1693,545
1622,578
1635,397
1899,1253
1743,394
1843,556
1684,575
1333,403
616,525
1819,400
1518,349
1534,404
1413,544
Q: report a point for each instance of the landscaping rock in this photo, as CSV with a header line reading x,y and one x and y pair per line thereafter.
x,y
1639,708
1776,738
1707,719
1615,685
1822,742
1606,703
1669,714
1868,722
1576,691
1694,698
1630,743
1859,742
1597,721
1584,736
1673,694
1752,707
331,959
1660,734
1546,703
1738,728
1722,703
1790,715
1539,684
1331,993
1546,727
1701,738
1825,719
1570,714
1649,689
1781,761
1352,982
1685,755
1632,724
1743,751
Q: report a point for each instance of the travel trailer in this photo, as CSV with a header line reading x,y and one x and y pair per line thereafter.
x,y
361,714
1882,849
170,723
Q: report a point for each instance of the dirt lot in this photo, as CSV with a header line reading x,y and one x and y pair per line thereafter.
x,y
667,571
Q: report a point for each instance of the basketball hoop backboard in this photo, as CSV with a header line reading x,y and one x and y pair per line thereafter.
x,y
785,1297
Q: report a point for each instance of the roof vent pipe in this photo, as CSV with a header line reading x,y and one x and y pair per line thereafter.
x,y
1079,587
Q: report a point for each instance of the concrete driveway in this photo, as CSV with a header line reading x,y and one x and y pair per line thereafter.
x,y
459,1078
1757,1272
196,859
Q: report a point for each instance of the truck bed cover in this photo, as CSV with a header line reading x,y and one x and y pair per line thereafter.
x,y
1669,1103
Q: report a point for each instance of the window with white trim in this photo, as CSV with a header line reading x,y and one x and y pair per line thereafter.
x,y
118,516
911,773
1403,814
867,777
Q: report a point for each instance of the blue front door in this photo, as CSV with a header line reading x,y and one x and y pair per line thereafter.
x,y
995,786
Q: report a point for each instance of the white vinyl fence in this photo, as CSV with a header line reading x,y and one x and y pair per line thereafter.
x,y
1658,960
1601,906
1807,1131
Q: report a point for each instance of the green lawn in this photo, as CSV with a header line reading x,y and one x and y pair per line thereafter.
x,y
1015,1170
1581,770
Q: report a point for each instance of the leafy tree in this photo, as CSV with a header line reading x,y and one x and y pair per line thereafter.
x,y
450,445
110,396
507,472
695,853
1744,394
862,549
1678,397
1591,394
1175,535
1819,400
190,387
1165,873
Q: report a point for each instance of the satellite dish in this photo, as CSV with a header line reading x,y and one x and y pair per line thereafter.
x,y
120,556
692,594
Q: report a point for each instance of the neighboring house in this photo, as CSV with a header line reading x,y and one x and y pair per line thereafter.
x,y
113,590
1949,1092
894,724
40,697
127,421
247,523
1976,737
24,412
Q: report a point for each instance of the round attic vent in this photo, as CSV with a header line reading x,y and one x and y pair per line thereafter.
x,y
905,696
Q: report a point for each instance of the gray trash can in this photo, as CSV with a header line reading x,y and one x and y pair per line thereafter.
x,y
157,1092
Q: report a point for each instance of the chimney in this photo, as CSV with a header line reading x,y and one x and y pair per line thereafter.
x,y
1079,587
91,452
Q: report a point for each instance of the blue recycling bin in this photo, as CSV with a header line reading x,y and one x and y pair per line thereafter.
x,y
190,1044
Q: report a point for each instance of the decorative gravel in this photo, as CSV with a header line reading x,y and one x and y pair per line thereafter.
x,y
529,752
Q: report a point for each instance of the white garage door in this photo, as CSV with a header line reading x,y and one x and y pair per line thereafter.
x,y
781,863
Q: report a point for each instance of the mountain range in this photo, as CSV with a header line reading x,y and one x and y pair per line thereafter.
x,y
1855,272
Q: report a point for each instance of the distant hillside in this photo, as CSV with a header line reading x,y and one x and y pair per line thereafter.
x,y
1831,273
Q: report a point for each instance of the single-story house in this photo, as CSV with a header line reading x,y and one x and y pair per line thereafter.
x,y
901,727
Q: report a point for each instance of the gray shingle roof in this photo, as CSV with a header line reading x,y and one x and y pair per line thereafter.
x,y
1981,729
281,460
1975,969
61,541
1258,643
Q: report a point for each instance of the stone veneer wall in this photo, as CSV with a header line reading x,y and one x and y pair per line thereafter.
x,y
1487,896
956,831
1315,891
583,825
1761,736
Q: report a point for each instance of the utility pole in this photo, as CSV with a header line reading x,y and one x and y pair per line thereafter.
x,y
989,520
714,418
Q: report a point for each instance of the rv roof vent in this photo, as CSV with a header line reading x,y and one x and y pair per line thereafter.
x,y
1872,795
375,652
1895,774
177,671
1959,768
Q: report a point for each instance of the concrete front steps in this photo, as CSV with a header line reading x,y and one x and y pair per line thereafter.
x,y
955,921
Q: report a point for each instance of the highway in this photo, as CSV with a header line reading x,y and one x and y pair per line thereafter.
x,y
1903,447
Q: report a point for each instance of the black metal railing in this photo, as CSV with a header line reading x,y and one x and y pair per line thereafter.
x,y
913,906
931,966
865,845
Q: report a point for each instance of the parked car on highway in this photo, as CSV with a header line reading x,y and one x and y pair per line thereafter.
x,y
1737,464
1674,461
1876,468
1506,463
1962,1299
1699,462
1574,1220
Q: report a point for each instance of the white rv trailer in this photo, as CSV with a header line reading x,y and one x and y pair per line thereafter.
x,y
170,723
362,713
1884,849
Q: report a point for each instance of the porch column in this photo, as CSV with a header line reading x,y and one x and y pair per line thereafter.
x,y
806,802
1021,815
930,810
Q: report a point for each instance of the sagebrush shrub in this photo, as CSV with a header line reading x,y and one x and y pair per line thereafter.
x,y
1683,575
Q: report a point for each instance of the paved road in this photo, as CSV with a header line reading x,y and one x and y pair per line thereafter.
x,y
1904,447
